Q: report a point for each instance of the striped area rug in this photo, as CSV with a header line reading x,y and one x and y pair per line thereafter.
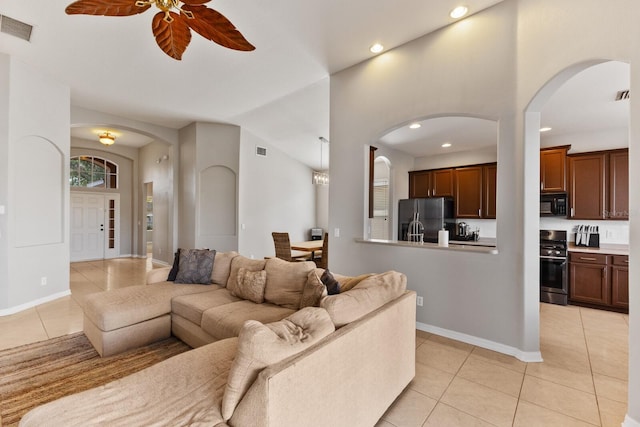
x,y
34,374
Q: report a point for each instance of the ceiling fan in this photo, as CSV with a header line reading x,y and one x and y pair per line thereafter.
x,y
172,29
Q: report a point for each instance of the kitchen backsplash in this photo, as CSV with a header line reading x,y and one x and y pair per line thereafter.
x,y
612,232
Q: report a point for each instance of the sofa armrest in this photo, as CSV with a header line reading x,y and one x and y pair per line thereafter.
x,y
350,378
158,275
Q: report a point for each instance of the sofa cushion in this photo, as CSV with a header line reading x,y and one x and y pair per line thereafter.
x,y
285,281
222,267
250,285
195,266
226,320
118,308
186,389
262,345
368,295
192,306
239,262
348,283
313,290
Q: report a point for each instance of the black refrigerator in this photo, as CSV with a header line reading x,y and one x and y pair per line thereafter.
x,y
435,213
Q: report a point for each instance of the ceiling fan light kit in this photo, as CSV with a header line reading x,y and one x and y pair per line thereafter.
x,y
172,25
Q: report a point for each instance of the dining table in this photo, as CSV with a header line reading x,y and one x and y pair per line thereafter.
x,y
308,246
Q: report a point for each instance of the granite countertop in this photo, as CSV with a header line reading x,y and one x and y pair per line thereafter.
x,y
605,248
483,245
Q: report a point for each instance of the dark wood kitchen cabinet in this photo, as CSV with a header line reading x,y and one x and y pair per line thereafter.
x,y
431,183
599,280
620,281
553,169
489,191
587,185
468,192
618,185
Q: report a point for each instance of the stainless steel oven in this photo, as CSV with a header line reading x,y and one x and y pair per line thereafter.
x,y
554,284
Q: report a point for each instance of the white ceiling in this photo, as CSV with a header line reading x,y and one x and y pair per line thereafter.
x,y
279,92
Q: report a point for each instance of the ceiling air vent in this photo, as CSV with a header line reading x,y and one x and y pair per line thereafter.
x,y
622,94
261,151
15,28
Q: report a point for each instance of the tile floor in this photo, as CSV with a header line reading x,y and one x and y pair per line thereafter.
x,y
582,381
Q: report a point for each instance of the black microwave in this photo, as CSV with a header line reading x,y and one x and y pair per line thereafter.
x,y
553,205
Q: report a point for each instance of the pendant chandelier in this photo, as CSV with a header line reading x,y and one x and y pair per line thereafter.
x,y
321,177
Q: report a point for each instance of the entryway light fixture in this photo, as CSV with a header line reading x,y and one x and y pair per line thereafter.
x,y
321,177
545,129
458,12
106,138
446,145
415,126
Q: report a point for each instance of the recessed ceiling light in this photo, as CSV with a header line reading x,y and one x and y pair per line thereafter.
x,y
376,48
415,126
446,145
545,129
458,12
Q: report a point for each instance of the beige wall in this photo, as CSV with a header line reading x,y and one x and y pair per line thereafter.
x,y
489,65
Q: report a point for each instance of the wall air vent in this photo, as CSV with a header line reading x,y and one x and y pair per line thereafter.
x,y
261,151
15,28
622,94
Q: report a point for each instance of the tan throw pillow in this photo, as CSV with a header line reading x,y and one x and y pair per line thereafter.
x,y
250,285
370,294
239,262
285,281
347,283
313,290
222,267
262,345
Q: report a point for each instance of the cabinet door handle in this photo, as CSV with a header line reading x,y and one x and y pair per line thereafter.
x,y
588,259
626,261
541,185
572,215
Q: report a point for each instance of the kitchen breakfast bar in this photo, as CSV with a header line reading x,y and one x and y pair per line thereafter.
x,y
485,245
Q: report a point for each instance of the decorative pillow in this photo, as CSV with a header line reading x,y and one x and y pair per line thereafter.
x,y
333,286
241,261
370,294
262,345
222,267
313,291
174,269
285,281
195,266
348,283
251,285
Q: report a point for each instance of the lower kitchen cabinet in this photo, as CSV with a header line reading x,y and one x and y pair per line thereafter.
x,y
599,280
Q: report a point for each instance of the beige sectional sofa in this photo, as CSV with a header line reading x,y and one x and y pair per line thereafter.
x,y
287,355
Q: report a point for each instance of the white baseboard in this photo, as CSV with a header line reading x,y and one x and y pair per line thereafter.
x,y
630,422
30,304
525,356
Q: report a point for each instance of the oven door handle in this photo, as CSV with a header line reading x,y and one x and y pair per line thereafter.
x,y
553,258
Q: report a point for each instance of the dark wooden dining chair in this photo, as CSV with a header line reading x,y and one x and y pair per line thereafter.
x,y
323,261
283,248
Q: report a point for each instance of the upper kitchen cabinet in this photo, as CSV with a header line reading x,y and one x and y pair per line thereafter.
x,y
587,186
553,169
619,184
431,183
468,190
490,175
599,185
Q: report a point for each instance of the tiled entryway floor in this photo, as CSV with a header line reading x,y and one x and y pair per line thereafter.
x,y
582,381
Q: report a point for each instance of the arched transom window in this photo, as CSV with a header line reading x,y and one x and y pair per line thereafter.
x,y
93,172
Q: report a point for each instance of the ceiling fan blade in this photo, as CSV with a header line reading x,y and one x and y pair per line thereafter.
x,y
212,25
105,7
172,37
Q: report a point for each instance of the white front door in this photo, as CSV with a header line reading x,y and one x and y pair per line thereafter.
x,y
93,216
